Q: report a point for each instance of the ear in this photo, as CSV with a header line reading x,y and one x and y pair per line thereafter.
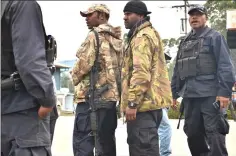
x,y
102,16
141,17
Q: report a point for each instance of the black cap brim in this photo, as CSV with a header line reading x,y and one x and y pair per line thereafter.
x,y
84,13
196,9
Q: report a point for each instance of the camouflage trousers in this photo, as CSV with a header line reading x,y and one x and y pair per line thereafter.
x,y
25,134
143,139
83,142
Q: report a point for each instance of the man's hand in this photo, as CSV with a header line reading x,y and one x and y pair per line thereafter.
x,y
174,104
224,101
43,111
130,114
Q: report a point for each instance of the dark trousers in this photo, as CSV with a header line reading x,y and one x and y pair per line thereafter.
x,y
53,119
83,142
142,133
24,134
204,127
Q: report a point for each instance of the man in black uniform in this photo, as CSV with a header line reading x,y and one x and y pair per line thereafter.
x,y
26,107
203,76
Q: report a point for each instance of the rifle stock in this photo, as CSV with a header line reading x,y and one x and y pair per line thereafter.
x,y
181,110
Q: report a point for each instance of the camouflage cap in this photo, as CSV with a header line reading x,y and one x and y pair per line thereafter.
x,y
95,7
199,8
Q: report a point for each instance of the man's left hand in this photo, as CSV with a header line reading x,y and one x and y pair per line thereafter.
x,y
130,114
224,101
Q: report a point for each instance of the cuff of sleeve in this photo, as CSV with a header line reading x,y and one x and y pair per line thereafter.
x,y
49,102
224,93
175,96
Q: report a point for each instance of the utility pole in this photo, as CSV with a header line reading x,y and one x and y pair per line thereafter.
x,y
185,16
184,20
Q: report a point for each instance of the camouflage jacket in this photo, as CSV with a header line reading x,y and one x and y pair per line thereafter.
x,y
109,54
144,72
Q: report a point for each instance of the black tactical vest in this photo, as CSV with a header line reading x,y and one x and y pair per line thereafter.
x,y
7,57
195,57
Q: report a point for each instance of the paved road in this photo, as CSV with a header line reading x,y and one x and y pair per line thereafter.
x,y
62,144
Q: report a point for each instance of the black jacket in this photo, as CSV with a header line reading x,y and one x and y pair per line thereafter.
x,y
23,49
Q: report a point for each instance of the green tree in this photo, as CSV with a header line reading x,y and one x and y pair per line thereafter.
x,y
216,12
165,42
66,82
171,69
172,42
65,78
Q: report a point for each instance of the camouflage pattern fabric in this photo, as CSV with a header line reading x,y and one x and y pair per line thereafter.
x,y
109,54
95,7
144,73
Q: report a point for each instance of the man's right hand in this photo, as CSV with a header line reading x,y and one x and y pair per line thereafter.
x,y
174,104
43,111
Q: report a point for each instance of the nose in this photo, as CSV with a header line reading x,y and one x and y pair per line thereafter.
x,y
86,18
125,17
194,16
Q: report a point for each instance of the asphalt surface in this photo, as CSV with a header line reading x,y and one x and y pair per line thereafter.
x,y
62,143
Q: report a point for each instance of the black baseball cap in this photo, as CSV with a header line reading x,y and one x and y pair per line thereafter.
x,y
199,8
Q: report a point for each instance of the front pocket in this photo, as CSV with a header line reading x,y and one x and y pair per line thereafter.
x,y
223,125
148,137
83,122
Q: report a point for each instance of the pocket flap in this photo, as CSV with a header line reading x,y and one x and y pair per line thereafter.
x,y
30,140
205,77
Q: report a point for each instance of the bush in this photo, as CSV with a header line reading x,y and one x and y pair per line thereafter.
x,y
174,114
229,116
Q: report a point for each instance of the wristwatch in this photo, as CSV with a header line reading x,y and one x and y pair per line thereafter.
x,y
132,105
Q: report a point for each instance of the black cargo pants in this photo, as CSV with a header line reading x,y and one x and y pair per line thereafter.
x,y
205,127
25,134
143,139
83,142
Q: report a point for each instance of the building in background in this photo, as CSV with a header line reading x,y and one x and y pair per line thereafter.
x,y
60,68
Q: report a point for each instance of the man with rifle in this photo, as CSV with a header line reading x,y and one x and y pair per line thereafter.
x,y
96,76
27,95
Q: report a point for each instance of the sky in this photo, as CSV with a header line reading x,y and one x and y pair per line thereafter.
x,y
62,20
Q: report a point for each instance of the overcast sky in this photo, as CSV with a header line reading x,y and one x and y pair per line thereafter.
x,y
62,19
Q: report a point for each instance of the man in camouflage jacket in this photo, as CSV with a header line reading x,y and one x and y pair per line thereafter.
x,y
145,84
110,46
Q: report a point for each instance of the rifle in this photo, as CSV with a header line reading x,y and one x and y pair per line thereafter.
x,y
181,110
91,94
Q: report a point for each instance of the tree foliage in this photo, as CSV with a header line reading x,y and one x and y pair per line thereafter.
x,y
66,82
165,42
172,42
216,12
